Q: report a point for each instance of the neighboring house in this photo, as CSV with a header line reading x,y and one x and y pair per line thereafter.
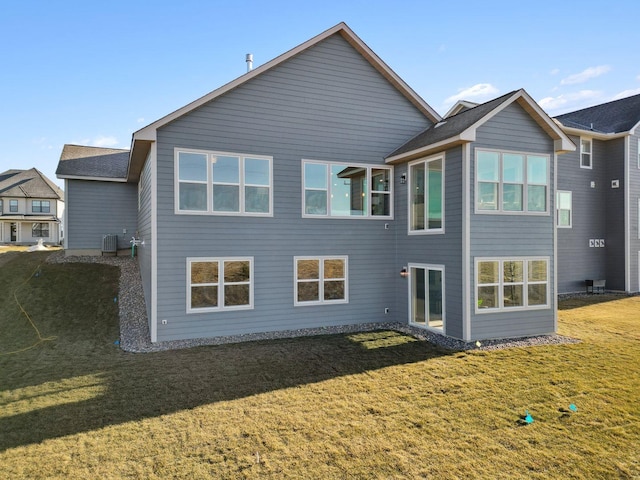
x,y
319,189
99,199
598,204
31,208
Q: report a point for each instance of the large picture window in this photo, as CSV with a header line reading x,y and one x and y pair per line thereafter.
x,y
40,230
341,190
508,182
223,183
219,284
508,283
426,196
320,280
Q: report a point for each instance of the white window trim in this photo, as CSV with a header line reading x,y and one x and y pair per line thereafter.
x,y
17,206
500,284
433,231
590,166
499,211
210,160
42,223
368,215
558,192
221,284
426,266
321,280
638,151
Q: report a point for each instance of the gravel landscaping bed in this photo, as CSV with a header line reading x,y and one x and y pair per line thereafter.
x,y
134,327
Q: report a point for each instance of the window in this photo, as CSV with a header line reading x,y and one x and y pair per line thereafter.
x,y
511,183
40,206
504,284
320,280
564,216
427,296
339,190
223,183
13,205
638,152
1,207
426,195
219,284
40,230
585,153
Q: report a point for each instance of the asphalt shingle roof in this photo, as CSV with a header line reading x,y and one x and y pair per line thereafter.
x,y
611,117
28,184
451,126
94,162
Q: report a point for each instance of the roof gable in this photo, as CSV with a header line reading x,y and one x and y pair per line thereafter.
x,y
613,117
142,138
461,128
28,184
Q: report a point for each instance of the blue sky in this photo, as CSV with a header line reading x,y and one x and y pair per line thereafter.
x,y
92,72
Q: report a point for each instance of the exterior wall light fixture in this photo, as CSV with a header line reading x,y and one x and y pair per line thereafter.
x,y
404,273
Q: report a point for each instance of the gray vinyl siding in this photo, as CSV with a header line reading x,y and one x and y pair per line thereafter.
x,y
577,261
615,244
326,103
634,227
98,208
433,249
494,235
145,232
598,213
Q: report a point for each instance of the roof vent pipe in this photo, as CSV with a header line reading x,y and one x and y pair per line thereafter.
x,y
249,62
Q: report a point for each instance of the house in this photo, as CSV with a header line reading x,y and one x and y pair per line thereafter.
x,y
99,199
31,208
598,205
319,189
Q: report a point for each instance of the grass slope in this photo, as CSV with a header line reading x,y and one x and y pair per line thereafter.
x,y
369,405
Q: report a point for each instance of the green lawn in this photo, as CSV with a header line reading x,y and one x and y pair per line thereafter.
x,y
370,405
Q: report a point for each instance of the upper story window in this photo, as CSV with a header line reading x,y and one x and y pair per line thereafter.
x,y
638,152
340,190
219,284
223,183
1,207
40,206
509,283
426,195
511,183
585,153
13,205
564,217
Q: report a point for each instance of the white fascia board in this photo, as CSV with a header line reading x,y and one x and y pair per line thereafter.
x,y
634,128
98,179
466,136
590,134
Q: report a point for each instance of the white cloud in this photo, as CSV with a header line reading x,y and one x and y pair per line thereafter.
x,y
103,141
569,100
583,76
555,71
626,93
99,141
480,91
140,120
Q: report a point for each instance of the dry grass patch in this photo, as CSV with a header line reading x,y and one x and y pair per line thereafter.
x,y
370,405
